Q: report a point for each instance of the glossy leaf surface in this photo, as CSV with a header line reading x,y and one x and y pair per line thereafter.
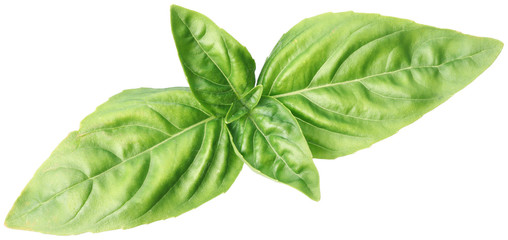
x,y
143,156
242,106
352,79
219,69
272,144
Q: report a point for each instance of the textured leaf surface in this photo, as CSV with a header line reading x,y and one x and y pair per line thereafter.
x,y
143,156
271,143
352,79
243,105
219,69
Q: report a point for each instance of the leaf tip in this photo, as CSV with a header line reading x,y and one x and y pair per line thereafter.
x,y
314,192
179,10
500,45
310,187
315,195
7,222
313,189
175,8
16,218
11,222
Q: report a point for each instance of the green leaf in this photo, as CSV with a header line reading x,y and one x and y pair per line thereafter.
x,y
272,144
242,106
143,156
352,79
219,69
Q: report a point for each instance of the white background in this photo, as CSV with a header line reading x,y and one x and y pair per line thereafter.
x,y
443,177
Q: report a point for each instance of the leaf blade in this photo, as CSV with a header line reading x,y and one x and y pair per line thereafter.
x,y
103,177
371,76
218,68
271,143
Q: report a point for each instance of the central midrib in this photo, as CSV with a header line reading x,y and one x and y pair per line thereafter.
x,y
374,75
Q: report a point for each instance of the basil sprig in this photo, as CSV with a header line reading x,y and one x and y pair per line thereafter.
x,y
333,84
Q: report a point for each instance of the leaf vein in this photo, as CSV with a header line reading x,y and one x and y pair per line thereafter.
x,y
211,59
114,166
179,177
376,75
277,154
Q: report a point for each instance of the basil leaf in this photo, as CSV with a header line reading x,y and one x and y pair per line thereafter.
x,y
352,79
143,156
242,106
272,144
219,69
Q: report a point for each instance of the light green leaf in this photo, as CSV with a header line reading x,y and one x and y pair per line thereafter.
x,y
143,156
242,106
352,79
219,69
272,144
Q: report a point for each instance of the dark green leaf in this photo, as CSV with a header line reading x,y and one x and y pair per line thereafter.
x,y
271,143
219,69
352,79
143,156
